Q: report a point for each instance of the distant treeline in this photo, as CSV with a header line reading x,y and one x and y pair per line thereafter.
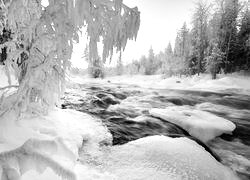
x,y
218,41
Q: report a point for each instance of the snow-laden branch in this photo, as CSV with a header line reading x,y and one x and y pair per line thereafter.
x,y
8,87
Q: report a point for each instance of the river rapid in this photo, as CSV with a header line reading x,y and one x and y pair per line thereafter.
x,y
124,109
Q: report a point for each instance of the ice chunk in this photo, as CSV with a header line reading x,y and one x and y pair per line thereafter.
x,y
200,124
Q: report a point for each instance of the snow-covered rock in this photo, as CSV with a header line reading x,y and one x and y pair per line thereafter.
x,y
163,158
200,124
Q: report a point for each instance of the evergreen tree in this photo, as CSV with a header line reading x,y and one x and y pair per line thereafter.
x,y
182,51
150,64
178,45
214,60
228,34
169,50
184,40
243,56
200,35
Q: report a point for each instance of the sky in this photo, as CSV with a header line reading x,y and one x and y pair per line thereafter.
x,y
160,20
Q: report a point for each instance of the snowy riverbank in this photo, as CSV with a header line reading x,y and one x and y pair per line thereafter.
x,y
73,141
232,82
73,144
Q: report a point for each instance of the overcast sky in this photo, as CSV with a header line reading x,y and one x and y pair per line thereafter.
x,y
160,20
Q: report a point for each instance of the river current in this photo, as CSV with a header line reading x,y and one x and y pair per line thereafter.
x,y
124,109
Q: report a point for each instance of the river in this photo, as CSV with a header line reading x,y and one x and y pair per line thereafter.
x,y
124,109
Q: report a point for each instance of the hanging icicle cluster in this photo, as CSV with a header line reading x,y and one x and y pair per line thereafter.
x,y
41,41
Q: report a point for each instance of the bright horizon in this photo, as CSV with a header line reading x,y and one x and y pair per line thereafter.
x,y
160,21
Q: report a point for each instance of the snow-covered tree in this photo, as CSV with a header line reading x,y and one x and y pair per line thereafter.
x,y
38,49
214,60
42,39
228,33
199,34
243,57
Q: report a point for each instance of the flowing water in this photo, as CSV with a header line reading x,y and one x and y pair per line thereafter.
x,y
124,109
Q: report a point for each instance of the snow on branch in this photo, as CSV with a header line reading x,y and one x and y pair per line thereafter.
x,y
113,21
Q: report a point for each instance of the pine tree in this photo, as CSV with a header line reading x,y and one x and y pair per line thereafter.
x,y
214,60
182,50
243,56
178,45
200,35
169,50
184,40
150,64
228,34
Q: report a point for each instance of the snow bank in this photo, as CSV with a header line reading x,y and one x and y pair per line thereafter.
x,y
161,158
57,138
202,125
69,125
233,82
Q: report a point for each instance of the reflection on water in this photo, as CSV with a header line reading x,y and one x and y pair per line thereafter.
x,y
124,110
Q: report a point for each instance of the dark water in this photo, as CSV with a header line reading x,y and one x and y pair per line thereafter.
x,y
124,109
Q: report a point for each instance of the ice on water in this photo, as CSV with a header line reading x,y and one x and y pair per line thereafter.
x,y
200,124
